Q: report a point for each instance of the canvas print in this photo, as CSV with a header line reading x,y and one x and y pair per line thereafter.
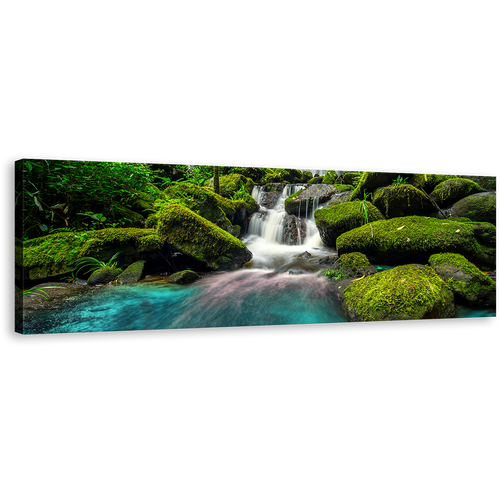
x,y
108,246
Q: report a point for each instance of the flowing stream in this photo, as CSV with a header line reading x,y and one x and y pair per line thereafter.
x,y
280,286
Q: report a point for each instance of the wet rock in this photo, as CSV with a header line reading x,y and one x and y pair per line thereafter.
x,y
294,230
268,199
328,260
132,274
184,277
303,202
103,275
305,255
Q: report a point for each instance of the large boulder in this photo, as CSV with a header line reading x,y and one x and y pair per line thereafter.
x,y
448,192
204,202
200,239
401,200
414,239
428,182
336,220
468,283
303,202
480,207
405,292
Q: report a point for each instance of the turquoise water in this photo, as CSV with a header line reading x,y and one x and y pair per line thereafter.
x,y
242,298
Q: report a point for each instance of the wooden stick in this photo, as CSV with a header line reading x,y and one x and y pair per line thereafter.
x,y
436,205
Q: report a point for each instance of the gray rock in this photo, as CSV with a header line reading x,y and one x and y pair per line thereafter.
x,y
304,201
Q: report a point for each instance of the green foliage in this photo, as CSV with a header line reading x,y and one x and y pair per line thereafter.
x,y
63,195
94,264
399,180
364,208
41,290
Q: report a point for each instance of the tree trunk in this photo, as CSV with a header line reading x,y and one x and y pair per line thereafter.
x,y
216,180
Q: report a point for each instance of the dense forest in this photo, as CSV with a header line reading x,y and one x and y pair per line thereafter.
x,y
60,195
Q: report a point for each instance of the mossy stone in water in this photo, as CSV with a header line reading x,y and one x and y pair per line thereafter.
x,y
448,192
199,238
334,221
184,277
468,283
401,200
350,265
132,274
104,275
405,292
316,180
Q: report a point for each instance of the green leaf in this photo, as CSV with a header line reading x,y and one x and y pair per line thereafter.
x,y
37,203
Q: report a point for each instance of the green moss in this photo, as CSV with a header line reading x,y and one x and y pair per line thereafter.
x,y
344,187
401,200
349,265
57,253
316,180
452,190
230,184
414,239
477,207
195,236
330,177
133,273
428,182
465,280
369,181
347,214
405,292
306,175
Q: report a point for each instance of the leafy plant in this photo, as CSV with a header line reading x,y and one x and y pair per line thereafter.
x,y
95,264
72,277
363,208
37,291
399,180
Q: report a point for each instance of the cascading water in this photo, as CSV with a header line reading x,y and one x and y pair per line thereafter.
x,y
266,231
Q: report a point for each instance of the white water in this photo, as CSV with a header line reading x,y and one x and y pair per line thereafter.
x,y
265,232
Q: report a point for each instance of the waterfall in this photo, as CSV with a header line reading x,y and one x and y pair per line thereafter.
x,y
269,223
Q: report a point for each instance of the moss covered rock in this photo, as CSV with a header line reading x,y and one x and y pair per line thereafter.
x,y
428,182
401,200
184,277
369,181
468,283
104,275
405,292
57,253
132,274
349,266
330,177
336,220
199,238
414,239
481,207
306,175
448,192
315,180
